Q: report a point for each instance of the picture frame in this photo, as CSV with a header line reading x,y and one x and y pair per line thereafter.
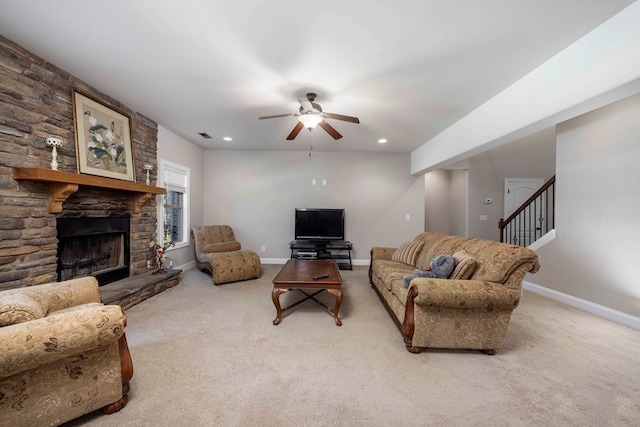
x,y
103,138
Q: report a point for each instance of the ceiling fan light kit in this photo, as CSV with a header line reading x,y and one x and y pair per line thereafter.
x,y
310,120
311,115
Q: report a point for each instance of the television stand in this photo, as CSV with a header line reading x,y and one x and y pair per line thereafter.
x,y
338,250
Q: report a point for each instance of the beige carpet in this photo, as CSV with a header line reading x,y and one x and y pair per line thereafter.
x,y
209,355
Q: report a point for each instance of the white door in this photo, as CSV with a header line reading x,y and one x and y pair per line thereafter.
x,y
516,192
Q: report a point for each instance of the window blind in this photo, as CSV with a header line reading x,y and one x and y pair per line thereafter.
x,y
175,179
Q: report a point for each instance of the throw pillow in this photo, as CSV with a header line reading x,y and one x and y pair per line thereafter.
x,y
18,306
465,267
222,247
408,252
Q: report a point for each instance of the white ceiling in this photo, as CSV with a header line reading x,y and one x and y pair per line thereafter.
x,y
406,69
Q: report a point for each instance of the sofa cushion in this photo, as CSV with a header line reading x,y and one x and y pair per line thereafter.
x,y
397,288
465,266
387,271
436,244
222,247
408,252
18,306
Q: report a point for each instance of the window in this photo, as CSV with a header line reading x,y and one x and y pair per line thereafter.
x,y
174,209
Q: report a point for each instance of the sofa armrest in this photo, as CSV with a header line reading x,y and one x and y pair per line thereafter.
x,y
69,293
464,294
381,253
27,345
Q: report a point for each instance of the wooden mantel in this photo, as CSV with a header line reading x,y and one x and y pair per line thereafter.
x,y
64,184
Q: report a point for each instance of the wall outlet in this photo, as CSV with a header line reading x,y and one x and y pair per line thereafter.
x,y
483,217
263,248
313,182
407,217
324,182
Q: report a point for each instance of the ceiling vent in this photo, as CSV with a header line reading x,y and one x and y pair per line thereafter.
x,y
204,135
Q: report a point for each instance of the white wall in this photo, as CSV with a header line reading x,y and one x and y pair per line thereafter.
x,y
437,201
600,68
256,193
529,157
454,199
595,253
178,150
459,203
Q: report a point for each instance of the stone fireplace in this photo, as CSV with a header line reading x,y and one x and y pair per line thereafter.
x,y
93,246
35,104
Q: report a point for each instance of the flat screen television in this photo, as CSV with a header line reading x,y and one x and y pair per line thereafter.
x,y
319,224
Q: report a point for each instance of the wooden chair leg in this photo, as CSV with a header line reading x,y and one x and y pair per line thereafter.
x,y
126,367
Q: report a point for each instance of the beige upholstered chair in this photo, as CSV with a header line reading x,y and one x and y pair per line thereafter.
x,y
63,354
220,254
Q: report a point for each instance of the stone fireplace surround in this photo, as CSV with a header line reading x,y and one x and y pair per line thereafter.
x,y
35,103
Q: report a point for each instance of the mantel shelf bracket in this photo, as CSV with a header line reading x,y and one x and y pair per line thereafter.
x,y
139,200
58,193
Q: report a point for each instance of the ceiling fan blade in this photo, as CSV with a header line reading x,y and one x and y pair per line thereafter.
x,y
306,104
330,130
341,117
296,130
276,116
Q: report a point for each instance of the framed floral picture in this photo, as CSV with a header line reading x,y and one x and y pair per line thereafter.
x,y
103,139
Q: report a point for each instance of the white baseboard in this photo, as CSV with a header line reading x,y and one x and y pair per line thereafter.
x,y
273,260
588,306
187,266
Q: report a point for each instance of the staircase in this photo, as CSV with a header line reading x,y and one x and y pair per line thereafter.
x,y
532,220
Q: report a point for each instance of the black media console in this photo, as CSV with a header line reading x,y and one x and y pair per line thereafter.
x,y
338,250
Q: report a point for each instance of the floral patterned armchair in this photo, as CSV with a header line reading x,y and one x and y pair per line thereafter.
x,y
219,253
62,354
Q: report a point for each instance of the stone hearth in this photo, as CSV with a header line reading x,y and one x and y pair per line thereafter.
x,y
133,290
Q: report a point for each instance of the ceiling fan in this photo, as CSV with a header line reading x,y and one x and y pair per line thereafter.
x,y
310,115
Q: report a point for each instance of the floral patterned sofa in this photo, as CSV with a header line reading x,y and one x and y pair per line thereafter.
x,y
63,354
220,254
469,310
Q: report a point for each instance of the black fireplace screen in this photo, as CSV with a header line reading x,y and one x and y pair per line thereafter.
x,y
93,246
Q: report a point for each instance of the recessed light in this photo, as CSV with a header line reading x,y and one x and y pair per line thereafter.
x,y
228,138
382,140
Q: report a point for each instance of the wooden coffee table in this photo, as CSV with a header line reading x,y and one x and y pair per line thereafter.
x,y
298,275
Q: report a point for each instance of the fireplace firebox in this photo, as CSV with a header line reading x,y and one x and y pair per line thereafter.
x,y
93,246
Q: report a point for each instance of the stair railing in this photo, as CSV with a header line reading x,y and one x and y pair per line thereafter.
x,y
533,219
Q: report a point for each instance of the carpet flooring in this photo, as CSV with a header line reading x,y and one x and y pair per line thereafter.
x,y
209,355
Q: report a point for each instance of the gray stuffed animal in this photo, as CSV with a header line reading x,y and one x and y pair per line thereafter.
x,y
441,268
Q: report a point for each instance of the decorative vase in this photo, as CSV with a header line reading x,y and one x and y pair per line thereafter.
x,y
53,143
148,168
